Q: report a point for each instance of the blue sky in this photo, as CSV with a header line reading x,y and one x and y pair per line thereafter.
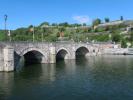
x,y
22,13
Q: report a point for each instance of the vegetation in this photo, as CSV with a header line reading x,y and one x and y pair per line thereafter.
x,y
77,32
96,22
107,20
2,35
116,37
121,18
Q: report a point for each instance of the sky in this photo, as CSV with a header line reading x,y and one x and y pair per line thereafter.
x,y
22,13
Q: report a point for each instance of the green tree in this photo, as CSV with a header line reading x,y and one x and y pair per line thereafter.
x,y
116,37
54,24
2,35
131,37
107,20
96,22
65,24
62,29
121,18
123,43
44,24
84,24
31,26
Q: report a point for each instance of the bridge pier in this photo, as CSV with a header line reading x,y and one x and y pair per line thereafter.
x,y
44,60
52,58
8,53
73,54
1,60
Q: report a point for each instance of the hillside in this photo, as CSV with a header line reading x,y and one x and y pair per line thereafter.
x,y
116,31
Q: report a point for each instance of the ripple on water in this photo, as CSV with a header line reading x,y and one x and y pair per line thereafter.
x,y
97,78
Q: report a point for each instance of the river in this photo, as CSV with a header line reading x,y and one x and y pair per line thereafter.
x,y
95,78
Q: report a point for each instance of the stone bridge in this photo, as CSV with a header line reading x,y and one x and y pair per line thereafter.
x,y
11,54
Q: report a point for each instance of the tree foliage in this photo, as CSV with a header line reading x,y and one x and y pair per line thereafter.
x,y
107,20
121,18
116,37
78,32
44,24
96,22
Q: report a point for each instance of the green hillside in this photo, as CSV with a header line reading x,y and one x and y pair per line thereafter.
x,y
117,31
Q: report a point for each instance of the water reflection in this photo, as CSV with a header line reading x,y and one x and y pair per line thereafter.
x,y
48,72
6,84
95,78
112,77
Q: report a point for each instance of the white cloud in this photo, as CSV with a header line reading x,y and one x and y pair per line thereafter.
x,y
81,19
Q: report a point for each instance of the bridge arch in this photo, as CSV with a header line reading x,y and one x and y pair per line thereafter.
x,y
82,52
26,50
62,54
33,55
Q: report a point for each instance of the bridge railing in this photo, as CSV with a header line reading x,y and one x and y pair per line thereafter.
x,y
53,43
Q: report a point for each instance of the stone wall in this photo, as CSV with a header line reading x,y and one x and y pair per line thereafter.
x,y
1,59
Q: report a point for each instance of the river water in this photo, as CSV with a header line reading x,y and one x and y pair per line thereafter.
x,y
96,78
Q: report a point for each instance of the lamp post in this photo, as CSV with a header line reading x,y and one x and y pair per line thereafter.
x,y
9,35
42,34
33,37
5,18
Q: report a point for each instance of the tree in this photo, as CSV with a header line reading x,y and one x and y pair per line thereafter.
x,y
121,18
131,37
116,37
123,43
44,23
54,24
84,24
107,20
62,29
2,35
96,22
31,26
65,24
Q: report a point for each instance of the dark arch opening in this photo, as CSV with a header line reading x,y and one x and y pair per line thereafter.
x,y
61,55
17,58
33,57
81,52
